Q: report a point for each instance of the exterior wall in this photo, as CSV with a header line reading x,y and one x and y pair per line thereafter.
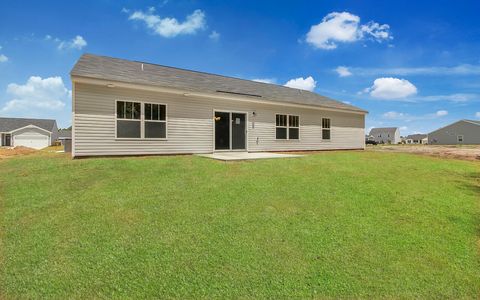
x,y
448,134
190,124
30,132
396,138
412,141
54,134
384,138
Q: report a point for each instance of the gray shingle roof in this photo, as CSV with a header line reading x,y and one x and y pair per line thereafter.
x,y
9,124
417,136
64,133
387,130
475,122
114,69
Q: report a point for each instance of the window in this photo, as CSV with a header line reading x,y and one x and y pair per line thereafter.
x,y
128,119
155,121
287,127
325,129
132,118
460,138
281,127
293,127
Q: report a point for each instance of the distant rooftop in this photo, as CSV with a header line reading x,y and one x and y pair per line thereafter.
x,y
388,130
9,124
64,134
417,136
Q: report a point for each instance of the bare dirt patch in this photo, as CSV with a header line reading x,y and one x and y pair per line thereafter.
x,y
17,151
453,151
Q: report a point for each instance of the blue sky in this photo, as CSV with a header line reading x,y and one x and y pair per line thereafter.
x,y
411,64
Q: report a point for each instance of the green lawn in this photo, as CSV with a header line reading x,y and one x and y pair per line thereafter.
x,y
333,224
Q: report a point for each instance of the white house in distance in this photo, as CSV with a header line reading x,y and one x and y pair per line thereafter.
x,y
31,133
461,132
123,107
387,135
416,139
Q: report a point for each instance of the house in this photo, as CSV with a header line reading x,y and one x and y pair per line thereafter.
x,y
65,138
416,139
31,133
388,135
123,107
460,132
63,135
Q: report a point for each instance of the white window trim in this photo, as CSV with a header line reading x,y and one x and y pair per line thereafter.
x,y
142,121
288,127
458,138
329,129
157,121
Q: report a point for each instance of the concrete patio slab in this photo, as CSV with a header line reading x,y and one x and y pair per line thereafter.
x,y
230,156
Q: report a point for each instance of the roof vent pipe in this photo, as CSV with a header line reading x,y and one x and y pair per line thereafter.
x,y
142,67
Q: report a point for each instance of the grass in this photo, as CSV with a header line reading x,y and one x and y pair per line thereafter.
x,y
336,224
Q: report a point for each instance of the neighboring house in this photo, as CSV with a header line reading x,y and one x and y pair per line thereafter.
x,y
65,138
460,132
388,135
64,134
31,133
416,139
123,107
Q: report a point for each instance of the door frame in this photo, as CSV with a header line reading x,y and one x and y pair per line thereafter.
x,y
230,128
10,140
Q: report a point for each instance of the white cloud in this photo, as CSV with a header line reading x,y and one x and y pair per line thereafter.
x,y
376,31
403,128
3,58
214,36
441,113
389,88
265,80
393,115
77,43
477,114
464,69
170,27
36,94
452,98
343,71
345,27
302,83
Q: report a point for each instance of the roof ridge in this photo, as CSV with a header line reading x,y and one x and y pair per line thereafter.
x,y
27,118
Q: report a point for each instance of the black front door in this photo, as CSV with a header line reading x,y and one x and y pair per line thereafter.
x,y
222,131
230,131
8,139
238,131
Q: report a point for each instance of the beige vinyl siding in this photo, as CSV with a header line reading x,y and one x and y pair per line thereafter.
x,y
190,124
